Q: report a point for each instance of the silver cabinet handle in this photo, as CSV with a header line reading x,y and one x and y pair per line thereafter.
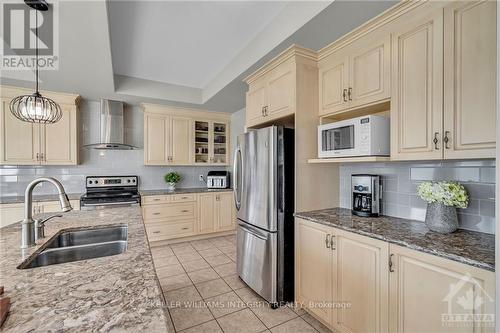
x,y
184,211
42,157
262,111
327,241
436,140
391,264
333,244
349,93
156,232
38,156
446,139
156,213
185,228
344,95
157,199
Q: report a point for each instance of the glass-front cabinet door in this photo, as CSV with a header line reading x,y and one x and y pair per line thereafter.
x,y
202,142
219,143
211,140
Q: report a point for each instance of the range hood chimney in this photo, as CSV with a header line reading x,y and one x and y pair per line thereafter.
x,y
111,127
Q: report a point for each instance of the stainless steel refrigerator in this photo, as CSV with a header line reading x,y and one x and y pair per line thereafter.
x,y
264,196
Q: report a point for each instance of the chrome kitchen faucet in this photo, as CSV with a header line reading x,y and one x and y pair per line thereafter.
x,y
28,237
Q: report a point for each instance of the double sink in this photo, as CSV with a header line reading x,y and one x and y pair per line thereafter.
x,y
79,244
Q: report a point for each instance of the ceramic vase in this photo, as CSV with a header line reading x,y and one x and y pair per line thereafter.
x,y
441,218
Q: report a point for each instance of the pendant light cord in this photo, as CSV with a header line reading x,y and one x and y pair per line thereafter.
x,y
36,49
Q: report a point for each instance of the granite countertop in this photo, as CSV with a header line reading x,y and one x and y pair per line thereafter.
x,y
38,198
468,247
183,191
115,293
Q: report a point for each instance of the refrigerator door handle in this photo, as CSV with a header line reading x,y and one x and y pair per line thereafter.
x,y
253,232
236,165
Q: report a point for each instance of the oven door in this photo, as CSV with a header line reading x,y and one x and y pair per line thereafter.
x,y
338,140
257,259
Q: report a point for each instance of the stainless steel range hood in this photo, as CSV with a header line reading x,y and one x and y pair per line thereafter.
x,y
111,127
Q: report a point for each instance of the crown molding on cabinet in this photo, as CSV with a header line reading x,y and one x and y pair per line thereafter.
x,y
371,25
293,51
185,112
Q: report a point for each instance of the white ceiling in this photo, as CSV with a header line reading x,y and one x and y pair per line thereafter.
x,y
184,43
88,60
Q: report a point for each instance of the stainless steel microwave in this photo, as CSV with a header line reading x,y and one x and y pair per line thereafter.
x,y
362,136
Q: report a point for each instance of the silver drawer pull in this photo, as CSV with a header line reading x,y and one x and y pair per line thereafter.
x,y
184,211
186,228
156,213
157,199
185,198
156,232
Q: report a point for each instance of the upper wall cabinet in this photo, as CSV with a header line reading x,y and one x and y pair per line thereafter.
x,y
356,75
416,102
459,41
469,79
175,136
272,91
24,143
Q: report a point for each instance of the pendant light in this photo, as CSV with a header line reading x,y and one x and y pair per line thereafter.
x,y
35,108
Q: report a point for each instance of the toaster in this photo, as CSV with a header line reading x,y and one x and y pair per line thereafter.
x,y
218,179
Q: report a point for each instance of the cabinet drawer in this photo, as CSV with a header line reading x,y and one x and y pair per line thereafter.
x,y
155,199
183,197
178,210
161,231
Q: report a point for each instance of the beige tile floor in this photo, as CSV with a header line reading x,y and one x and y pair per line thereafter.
x,y
204,293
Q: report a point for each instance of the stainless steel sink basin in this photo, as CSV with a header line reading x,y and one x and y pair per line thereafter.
x,y
88,236
79,244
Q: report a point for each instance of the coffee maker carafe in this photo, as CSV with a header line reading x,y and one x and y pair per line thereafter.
x,y
366,195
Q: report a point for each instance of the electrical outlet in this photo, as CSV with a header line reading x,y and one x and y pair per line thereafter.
x,y
201,178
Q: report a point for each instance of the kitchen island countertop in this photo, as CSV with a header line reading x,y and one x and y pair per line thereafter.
x,y
114,293
467,247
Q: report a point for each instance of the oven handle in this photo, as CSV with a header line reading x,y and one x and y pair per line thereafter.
x,y
110,203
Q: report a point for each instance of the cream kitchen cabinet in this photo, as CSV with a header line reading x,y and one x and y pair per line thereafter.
x,y
426,291
211,142
362,279
374,286
176,136
470,61
459,41
38,144
175,216
314,277
333,267
216,212
355,76
274,90
272,95
225,211
167,140
12,213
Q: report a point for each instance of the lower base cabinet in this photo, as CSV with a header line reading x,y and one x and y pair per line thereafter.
x,y
176,216
354,283
431,294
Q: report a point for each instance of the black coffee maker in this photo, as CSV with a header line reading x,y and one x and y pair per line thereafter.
x,y
366,194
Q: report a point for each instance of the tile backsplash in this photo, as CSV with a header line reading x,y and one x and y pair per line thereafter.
x,y
13,179
400,181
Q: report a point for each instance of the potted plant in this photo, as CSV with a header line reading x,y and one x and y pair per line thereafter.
x,y
443,198
172,178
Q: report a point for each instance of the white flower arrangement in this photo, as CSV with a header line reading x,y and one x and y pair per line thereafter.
x,y
447,193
